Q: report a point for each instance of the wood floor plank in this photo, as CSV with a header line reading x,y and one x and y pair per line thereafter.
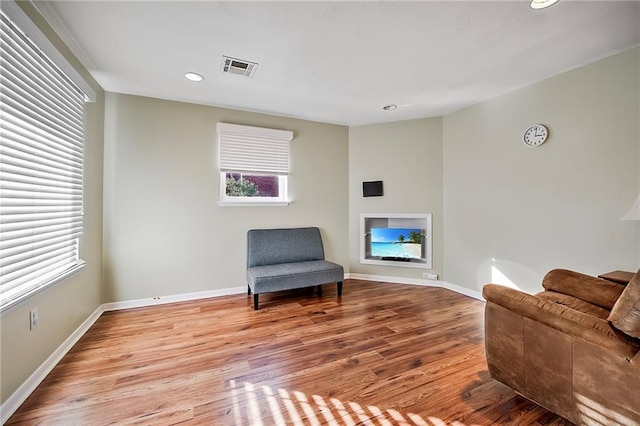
x,y
382,354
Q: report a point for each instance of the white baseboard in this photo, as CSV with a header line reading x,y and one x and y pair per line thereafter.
x,y
415,281
152,301
22,393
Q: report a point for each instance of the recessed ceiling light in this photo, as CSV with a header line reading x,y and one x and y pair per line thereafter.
x,y
390,107
541,4
193,76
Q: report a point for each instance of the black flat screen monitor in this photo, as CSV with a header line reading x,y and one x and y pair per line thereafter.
x,y
372,189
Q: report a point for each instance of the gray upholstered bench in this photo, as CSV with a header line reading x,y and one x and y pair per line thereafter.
x,y
286,259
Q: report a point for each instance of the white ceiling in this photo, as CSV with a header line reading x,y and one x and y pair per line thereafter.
x,y
339,62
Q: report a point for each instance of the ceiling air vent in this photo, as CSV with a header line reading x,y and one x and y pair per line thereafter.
x,y
238,66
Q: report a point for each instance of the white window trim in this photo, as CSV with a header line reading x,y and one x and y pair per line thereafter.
x,y
66,274
253,203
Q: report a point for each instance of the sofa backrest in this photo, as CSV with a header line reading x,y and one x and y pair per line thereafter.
x,y
275,246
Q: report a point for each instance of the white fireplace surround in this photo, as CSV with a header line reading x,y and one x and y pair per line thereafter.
x,y
396,220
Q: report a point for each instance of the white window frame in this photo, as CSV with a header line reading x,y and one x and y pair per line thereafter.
x,y
30,267
250,138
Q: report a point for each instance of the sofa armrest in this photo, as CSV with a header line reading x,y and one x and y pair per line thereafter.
x,y
559,317
594,290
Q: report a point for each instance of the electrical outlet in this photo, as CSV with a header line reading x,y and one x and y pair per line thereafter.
x,y
33,318
429,276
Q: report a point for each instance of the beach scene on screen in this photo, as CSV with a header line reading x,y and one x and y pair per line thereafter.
x,y
396,242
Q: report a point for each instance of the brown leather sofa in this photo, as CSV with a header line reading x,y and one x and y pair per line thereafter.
x,y
573,348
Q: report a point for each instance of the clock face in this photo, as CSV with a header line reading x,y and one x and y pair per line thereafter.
x,y
535,135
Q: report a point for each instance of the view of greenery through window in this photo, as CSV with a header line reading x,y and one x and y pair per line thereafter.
x,y
242,185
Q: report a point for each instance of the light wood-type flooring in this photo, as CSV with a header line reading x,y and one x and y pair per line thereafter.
x,y
384,354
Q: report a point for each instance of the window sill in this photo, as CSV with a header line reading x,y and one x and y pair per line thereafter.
x,y
253,203
18,298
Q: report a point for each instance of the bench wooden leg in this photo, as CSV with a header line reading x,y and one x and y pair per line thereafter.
x,y
319,291
339,288
255,302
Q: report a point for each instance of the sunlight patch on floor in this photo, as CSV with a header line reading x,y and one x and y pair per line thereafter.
x,y
263,405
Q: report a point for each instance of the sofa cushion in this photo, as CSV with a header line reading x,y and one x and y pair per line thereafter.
x,y
625,315
287,276
574,303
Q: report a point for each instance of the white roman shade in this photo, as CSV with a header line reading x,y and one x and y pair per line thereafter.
x,y
246,149
41,167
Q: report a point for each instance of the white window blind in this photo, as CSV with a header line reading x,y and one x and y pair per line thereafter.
x,y
246,149
41,167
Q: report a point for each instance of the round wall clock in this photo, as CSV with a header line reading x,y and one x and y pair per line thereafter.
x,y
535,135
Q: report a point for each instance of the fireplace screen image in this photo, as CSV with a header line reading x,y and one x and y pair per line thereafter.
x,y
396,243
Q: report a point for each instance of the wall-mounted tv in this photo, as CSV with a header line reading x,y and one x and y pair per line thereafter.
x,y
396,243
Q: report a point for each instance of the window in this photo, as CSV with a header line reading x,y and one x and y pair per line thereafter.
x,y
254,164
41,163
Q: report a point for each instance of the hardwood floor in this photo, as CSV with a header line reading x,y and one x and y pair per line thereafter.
x,y
385,354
